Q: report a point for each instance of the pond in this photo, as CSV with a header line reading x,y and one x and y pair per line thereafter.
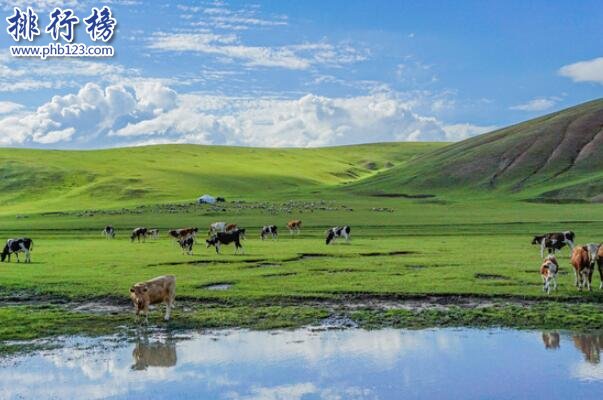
x,y
313,364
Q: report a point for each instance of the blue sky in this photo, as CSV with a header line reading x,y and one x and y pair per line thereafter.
x,y
304,73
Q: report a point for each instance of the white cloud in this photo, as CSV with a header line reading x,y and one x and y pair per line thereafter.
x,y
54,136
147,111
223,17
229,47
7,107
18,75
271,122
538,104
455,132
584,71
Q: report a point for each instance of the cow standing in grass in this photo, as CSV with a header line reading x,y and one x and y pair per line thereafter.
x,y
554,241
109,232
153,233
267,230
600,265
183,233
548,272
16,246
225,238
187,245
138,233
337,232
294,226
155,291
216,227
584,264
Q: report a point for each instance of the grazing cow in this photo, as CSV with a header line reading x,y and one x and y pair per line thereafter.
x,y
554,241
271,230
548,271
153,233
337,232
600,265
158,290
187,245
138,233
294,226
216,227
183,233
583,266
109,232
230,227
15,246
224,238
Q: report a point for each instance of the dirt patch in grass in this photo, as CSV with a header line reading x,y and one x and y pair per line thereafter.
x,y
209,261
388,253
480,275
264,265
340,270
219,286
278,275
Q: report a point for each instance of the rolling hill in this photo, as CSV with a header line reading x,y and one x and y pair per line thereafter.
x,y
556,157
44,180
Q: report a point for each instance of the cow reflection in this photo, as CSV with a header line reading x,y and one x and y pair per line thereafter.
x,y
154,354
551,340
590,346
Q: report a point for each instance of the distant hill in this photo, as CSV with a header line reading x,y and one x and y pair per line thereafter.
x,y
44,180
555,157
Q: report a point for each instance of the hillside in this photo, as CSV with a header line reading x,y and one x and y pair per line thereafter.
x,y
556,157
42,180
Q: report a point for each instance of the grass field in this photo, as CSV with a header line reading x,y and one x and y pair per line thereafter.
x,y
469,251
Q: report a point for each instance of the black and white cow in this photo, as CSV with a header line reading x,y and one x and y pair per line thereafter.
x,y
554,241
267,230
109,232
15,246
138,233
337,232
186,245
225,238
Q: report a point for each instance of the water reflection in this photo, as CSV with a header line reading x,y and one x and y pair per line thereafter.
x,y
306,364
590,346
156,353
551,340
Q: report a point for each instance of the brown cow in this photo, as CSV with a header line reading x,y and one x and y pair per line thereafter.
x,y
294,226
183,233
548,271
583,266
230,227
157,290
600,265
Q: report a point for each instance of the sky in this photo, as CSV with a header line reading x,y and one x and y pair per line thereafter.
x,y
301,73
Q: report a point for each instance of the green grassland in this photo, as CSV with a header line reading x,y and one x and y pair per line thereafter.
x,y
461,247
38,180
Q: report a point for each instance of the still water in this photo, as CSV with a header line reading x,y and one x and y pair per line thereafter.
x,y
311,364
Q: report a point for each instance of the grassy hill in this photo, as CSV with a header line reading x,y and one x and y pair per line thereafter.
x,y
556,157
42,180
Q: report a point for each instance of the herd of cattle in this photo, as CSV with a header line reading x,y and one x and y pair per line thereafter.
x,y
221,233
162,289
583,259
